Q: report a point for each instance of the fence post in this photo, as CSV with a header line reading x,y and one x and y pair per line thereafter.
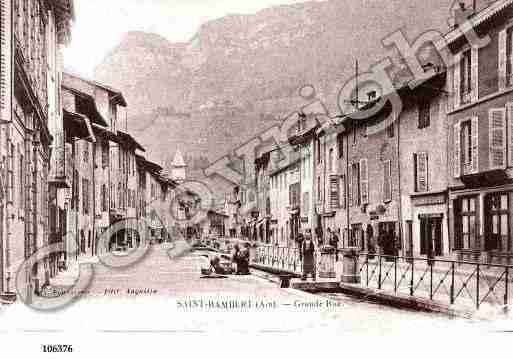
x,y
395,275
506,287
452,283
412,274
379,275
477,287
367,270
431,282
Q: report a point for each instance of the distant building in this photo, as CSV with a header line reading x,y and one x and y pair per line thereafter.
x,y
178,168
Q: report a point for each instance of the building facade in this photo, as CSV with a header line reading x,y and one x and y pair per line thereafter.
x,y
31,35
481,139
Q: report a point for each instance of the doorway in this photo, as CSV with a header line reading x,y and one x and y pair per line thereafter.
x,y
431,235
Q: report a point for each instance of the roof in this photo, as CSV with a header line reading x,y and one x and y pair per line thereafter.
x,y
178,160
152,167
78,125
91,111
211,211
116,95
129,140
478,18
406,89
285,167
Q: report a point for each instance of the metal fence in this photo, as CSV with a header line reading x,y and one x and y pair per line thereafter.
x,y
281,258
452,282
288,259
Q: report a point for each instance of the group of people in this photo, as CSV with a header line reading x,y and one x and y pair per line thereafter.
x,y
239,262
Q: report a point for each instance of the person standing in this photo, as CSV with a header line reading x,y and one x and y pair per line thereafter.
x,y
308,257
334,242
236,257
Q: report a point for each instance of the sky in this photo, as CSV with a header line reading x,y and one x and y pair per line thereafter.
x,y
100,24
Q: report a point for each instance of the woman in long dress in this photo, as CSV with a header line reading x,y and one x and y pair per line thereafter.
x,y
308,256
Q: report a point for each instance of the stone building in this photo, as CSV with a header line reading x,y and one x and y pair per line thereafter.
x,y
423,135
481,138
31,34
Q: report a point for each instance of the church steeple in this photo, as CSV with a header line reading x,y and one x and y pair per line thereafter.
x,y
178,167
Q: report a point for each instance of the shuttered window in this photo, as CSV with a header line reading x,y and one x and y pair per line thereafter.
x,y
421,172
364,181
474,74
457,150
468,147
340,143
387,181
456,80
474,143
509,123
424,113
5,68
104,198
343,197
466,76
350,188
503,66
497,138
105,154
355,182
334,192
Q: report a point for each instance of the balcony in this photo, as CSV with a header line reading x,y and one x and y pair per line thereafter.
x,y
485,178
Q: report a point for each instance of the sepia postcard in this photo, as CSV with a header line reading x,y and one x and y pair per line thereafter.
x,y
256,178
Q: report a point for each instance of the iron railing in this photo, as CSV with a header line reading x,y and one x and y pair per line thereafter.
x,y
282,258
449,281
467,283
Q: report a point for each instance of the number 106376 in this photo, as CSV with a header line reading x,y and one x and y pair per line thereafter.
x,y
57,348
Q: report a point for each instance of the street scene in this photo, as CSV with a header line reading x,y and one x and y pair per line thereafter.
x,y
312,164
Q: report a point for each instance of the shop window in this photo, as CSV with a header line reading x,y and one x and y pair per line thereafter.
x,y
466,230
497,222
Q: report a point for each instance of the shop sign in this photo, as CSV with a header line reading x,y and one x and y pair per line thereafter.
x,y
429,200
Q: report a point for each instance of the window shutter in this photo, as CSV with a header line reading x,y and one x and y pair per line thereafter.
x,y
343,191
5,60
457,80
475,145
422,172
334,192
474,74
509,122
350,186
503,35
387,181
497,138
364,181
457,149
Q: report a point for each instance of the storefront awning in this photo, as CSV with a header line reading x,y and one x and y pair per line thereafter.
x,y
78,126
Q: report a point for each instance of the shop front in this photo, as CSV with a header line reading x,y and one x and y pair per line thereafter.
x,y
482,222
426,235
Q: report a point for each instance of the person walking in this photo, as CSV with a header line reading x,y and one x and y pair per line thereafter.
x,y
308,257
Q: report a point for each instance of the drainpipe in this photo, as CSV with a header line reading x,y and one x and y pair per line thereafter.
x,y
346,185
73,197
93,212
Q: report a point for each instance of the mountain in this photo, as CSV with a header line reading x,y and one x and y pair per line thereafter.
x,y
240,73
